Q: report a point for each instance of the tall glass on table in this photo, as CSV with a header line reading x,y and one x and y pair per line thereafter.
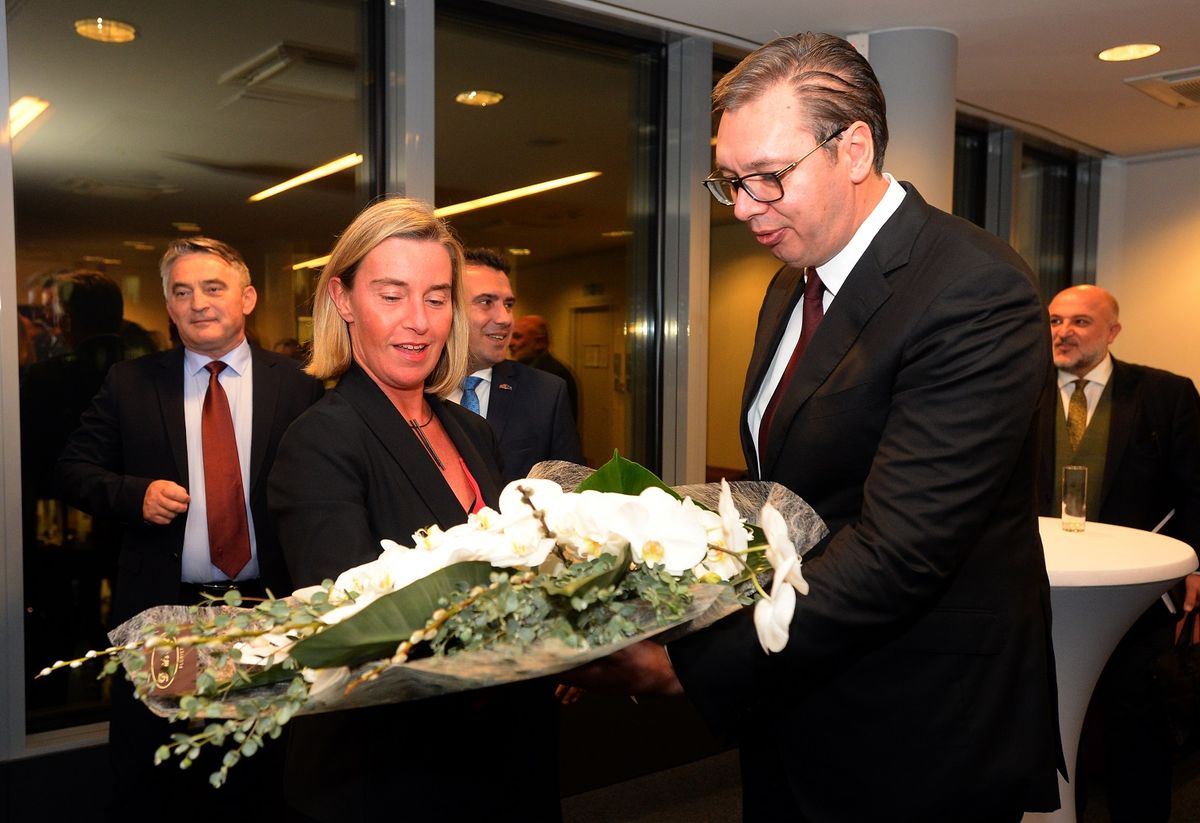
x,y
1074,498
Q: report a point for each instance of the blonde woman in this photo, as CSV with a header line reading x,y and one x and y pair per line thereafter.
x,y
382,455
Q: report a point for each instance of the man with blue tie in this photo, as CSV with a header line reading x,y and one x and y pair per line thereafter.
x,y
527,408
176,447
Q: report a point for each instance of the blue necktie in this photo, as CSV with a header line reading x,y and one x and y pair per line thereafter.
x,y
470,399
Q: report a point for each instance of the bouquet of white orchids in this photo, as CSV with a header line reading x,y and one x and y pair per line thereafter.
x,y
546,582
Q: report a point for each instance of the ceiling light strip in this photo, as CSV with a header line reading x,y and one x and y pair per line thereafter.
x,y
23,112
514,194
332,167
490,200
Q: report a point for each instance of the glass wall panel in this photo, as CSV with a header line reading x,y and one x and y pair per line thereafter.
x,y
1045,212
575,102
143,142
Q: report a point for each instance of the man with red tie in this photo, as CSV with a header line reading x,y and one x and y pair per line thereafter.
x,y
898,365
177,447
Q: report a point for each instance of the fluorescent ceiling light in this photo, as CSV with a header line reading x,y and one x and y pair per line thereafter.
x,y
333,166
514,194
470,205
105,30
1130,51
315,263
23,112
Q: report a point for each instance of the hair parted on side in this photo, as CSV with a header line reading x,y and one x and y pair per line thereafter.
x,y
406,219
830,77
490,258
202,245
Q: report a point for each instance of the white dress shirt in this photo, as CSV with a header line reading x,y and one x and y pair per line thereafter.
x,y
833,276
238,381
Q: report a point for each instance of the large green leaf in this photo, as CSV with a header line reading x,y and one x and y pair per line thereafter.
x,y
623,477
376,631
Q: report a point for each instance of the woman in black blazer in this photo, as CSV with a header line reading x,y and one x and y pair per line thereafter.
x,y
381,456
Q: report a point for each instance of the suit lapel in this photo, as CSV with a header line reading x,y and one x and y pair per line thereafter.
x,y
502,398
1120,425
784,292
264,398
866,289
170,400
401,443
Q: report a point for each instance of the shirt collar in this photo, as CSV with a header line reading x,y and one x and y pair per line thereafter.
x,y
483,374
237,360
834,273
1100,373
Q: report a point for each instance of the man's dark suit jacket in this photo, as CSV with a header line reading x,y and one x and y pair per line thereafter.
x,y
531,414
918,681
1152,464
349,473
552,365
134,434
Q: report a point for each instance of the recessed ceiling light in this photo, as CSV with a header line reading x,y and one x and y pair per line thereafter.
x,y
183,225
520,252
138,245
514,194
478,97
105,30
617,233
1130,51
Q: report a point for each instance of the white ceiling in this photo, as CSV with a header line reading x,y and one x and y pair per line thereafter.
x,y
1027,60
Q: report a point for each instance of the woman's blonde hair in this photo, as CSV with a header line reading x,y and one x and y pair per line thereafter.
x,y
406,219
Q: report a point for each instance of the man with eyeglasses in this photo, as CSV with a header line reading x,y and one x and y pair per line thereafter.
x,y
898,367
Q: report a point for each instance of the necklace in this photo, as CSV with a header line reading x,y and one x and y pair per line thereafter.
x,y
428,420
417,427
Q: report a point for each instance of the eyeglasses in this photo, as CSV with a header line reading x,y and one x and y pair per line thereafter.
x,y
763,186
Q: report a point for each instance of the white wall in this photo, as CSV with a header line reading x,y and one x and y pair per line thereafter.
x,y
1148,256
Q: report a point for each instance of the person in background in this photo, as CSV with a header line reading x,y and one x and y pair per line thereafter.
x,y
531,346
176,446
382,456
898,365
527,408
1137,430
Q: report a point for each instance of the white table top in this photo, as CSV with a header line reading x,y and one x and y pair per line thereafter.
x,y
1105,555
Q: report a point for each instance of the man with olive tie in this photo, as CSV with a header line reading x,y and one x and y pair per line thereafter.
x,y
1137,430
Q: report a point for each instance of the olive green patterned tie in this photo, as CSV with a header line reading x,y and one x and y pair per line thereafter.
x,y
1077,415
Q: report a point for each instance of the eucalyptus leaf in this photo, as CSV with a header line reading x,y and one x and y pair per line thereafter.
x,y
623,477
606,570
376,631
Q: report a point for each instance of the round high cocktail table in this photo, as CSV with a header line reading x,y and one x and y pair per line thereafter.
x,y
1101,580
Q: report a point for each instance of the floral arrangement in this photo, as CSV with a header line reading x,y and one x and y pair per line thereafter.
x,y
547,582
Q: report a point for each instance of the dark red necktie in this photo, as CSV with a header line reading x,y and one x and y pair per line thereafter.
x,y
228,532
812,314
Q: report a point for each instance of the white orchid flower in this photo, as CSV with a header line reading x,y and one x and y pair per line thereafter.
x,y
773,614
780,549
662,531
583,523
735,536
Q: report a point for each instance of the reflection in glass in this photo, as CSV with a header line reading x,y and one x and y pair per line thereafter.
x,y
143,143
573,102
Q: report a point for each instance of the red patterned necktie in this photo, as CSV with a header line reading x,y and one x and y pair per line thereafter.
x,y
225,501
812,314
